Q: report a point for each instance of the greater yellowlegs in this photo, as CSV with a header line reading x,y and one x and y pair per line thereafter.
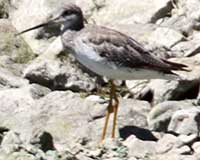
x,y
108,53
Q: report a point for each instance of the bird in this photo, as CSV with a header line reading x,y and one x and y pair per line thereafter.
x,y
109,53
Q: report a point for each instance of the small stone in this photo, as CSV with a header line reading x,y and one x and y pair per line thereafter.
x,y
9,80
33,149
165,37
132,11
160,115
157,90
196,147
138,148
193,64
59,75
51,155
128,140
187,139
184,121
96,98
37,91
138,87
22,156
11,142
187,48
182,150
111,144
167,143
94,153
11,45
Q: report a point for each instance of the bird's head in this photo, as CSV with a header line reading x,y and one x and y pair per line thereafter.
x,y
70,17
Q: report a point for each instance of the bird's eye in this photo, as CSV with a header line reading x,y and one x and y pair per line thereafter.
x,y
65,13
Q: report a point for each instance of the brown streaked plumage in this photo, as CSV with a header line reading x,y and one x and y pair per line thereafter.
x,y
108,53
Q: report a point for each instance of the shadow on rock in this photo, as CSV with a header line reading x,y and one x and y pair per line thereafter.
x,y
140,133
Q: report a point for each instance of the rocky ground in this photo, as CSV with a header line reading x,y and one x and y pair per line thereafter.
x,y
52,108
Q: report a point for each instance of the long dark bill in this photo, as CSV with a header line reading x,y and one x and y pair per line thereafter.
x,y
32,28
39,26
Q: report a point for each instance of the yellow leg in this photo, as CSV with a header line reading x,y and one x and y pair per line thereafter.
x,y
115,108
109,111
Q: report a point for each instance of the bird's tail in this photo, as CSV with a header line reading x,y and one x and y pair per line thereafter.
x,y
177,66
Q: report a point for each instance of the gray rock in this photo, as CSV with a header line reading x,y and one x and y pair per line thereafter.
x,y
133,113
184,150
9,80
160,116
193,65
83,157
196,147
37,91
165,37
13,46
138,148
96,98
54,49
139,88
8,63
168,143
171,144
92,153
66,116
114,149
179,22
191,9
16,106
164,90
188,139
71,119
4,5
139,11
21,155
11,142
33,150
185,121
159,90
58,75
43,72
111,144
184,17
30,152
187,48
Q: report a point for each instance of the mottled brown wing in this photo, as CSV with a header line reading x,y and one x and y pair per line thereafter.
x,y
125,51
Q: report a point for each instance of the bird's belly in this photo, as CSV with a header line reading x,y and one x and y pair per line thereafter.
x,y
111,71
